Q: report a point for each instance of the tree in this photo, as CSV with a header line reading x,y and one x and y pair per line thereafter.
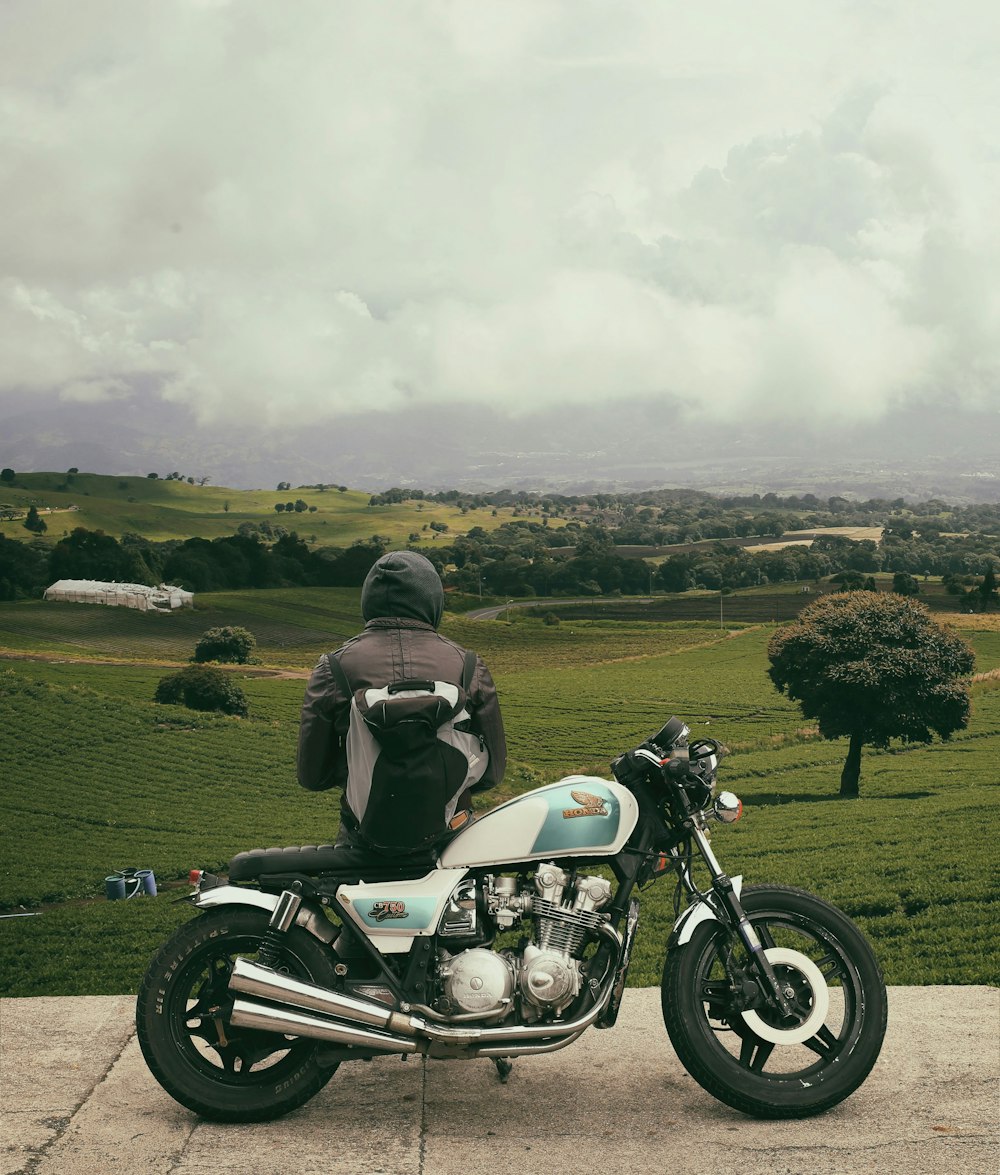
x,y
24,569
988,589
903,584
7,474
229,644
33,523
872,666
90,554
854,581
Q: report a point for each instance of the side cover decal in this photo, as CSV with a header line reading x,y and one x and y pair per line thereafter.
x,y
411,914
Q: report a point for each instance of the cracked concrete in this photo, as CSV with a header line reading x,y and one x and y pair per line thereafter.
x,y
76,1096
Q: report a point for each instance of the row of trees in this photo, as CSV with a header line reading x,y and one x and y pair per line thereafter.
x,y
513,560
670,516
245,560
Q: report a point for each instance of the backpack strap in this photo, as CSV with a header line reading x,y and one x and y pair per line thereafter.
x,y
468,671
339,676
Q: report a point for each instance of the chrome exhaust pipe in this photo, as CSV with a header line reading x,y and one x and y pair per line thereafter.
x,y
264,983
287,1022
346,1011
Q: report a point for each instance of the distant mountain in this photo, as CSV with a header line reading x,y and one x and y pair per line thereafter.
x,y
915,453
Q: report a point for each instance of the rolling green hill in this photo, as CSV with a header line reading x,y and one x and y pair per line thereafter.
x,y
159,509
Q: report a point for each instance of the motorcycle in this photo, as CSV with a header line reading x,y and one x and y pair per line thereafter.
x,y
504,942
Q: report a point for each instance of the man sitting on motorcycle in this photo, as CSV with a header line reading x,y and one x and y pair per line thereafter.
x,y
402,601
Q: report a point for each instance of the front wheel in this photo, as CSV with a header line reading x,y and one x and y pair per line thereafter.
x,y
182,1019
753,1060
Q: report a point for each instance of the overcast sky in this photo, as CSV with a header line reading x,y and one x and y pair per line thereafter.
x,y
275,211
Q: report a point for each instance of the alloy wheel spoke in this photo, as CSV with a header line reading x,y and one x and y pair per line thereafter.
x,y
754,1053
829,966
823,1043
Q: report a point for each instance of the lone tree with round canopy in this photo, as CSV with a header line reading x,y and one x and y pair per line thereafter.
x,y
872,667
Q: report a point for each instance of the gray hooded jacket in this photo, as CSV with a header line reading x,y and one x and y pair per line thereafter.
x,y
401,601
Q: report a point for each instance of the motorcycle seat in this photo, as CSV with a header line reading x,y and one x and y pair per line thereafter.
x,y
339,862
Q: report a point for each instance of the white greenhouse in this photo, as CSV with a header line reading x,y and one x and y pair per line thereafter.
x,y
121,595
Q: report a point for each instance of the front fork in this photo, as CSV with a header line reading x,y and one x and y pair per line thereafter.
x,y
725,892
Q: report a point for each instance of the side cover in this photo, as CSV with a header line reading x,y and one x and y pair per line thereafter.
x,y
581,815
394,913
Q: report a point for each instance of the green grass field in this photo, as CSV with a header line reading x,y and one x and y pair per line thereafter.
x,y
97,777
160,509
772,603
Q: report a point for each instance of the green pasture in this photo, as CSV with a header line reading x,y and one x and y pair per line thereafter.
x,y
96,776
160,510
771,603
292,625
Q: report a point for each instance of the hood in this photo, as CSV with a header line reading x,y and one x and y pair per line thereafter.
x,y
403,583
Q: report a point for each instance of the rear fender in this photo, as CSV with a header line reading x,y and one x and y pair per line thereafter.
x,y
309,919
700,911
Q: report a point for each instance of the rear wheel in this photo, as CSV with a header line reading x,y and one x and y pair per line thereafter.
x,y
182,1019
755,1060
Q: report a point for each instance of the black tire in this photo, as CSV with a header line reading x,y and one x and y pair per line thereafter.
x,y
726,1056
224,1073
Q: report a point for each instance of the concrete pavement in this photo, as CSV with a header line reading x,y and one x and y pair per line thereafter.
x,y
76,1098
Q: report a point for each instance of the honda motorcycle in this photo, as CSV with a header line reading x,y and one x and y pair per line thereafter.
x,y
505,941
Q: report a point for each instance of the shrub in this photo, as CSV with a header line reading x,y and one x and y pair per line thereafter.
x,y
202,687
230,645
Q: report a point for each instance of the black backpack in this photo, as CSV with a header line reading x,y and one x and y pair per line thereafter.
x,y
411,754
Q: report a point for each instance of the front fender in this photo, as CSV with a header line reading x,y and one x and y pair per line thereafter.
x,y
698,912
317,925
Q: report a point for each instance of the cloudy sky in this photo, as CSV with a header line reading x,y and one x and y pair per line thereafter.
x,y
279,212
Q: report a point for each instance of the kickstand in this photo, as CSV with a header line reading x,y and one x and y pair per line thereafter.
x,y
503,1068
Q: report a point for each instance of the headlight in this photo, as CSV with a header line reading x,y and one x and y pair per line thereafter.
x,y
727,807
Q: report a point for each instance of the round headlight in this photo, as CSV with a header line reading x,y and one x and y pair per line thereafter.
x,y
727,807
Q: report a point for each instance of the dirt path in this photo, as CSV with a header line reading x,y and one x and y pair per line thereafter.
x,y
72,659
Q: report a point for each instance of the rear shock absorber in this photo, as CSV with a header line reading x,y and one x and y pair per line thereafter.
x,y
282,920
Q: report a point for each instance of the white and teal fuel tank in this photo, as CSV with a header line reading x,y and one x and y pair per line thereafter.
x,y
580,816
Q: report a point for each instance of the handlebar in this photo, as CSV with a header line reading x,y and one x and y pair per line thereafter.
x,y
669,755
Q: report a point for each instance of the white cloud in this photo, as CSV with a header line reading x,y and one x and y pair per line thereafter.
x,y
298,211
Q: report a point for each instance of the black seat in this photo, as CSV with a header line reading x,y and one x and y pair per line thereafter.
x,y
346,865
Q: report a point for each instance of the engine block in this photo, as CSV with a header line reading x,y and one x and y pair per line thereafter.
x,y
546,974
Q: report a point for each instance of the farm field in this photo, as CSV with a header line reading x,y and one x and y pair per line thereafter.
x,y
293,625
98,777
772,603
